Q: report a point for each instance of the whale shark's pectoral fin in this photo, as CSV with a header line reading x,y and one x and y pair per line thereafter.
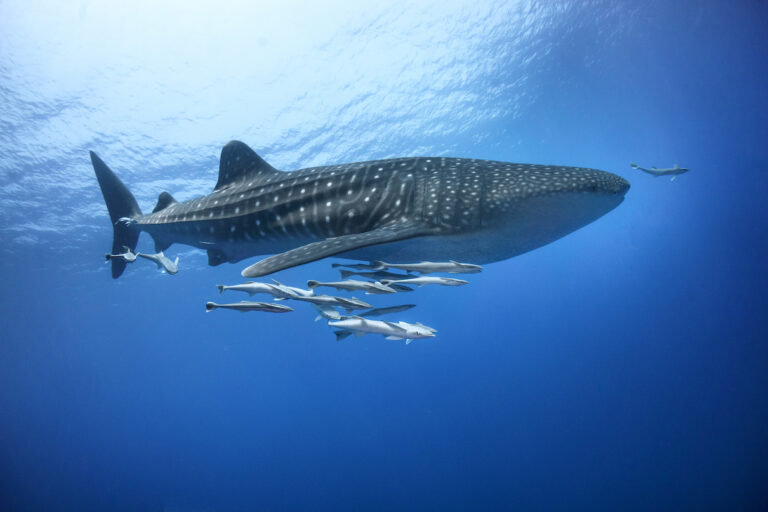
x,y
330,246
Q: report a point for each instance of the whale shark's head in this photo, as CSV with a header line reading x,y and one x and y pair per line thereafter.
x,y
535,204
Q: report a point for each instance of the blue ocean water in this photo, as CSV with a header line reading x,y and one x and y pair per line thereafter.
x,y
623,367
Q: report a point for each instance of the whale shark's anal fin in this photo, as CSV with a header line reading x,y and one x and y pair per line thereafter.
x,y
160,243
216,257
330,246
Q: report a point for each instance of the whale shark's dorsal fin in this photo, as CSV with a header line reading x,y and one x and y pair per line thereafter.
x,y
164,201
239,163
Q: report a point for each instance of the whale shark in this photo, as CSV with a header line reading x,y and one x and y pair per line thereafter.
x,y
395,210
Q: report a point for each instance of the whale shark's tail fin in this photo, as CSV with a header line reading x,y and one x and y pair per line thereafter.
x,y
122,208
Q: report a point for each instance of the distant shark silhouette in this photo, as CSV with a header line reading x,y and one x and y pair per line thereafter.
x,y
398,210
655,172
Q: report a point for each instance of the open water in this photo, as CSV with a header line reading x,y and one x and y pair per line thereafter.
x,y
623,367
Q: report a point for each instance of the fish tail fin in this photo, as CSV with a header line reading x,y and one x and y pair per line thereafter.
x,y
312,284
633,165
221,288
346,273
378,265
108,257
336,265
122,208
340,335
210,306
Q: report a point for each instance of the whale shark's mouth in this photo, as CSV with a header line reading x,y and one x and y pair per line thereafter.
x,y
619,186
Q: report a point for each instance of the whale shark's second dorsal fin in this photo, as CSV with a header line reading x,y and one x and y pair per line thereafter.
x,y
164,201
240,163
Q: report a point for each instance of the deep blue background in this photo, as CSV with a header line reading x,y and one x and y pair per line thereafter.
x,y
620,368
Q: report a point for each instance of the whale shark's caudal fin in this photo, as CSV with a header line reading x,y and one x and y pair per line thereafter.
x,y
122,208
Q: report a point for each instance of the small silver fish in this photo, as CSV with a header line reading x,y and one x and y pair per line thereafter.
x,y
244,306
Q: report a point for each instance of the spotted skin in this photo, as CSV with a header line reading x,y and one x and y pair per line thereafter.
x,y
400,209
